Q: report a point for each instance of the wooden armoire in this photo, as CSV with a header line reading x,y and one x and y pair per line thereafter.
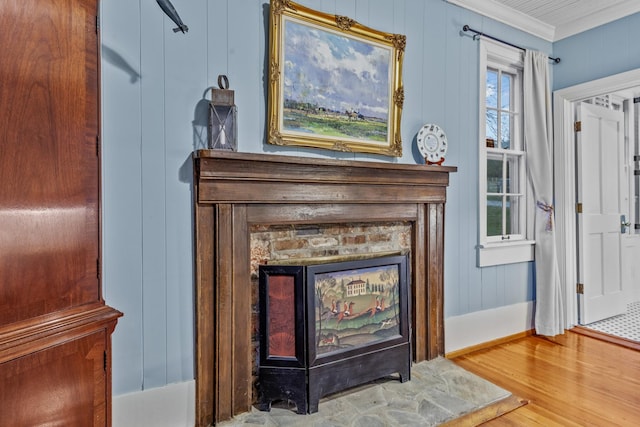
x,y
55,328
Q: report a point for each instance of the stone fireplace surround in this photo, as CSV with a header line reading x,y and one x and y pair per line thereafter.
x,y
236,191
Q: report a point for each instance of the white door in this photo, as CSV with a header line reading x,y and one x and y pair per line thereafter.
x,y
603,191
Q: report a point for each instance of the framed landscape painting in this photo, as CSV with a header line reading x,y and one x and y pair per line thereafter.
x,y
333,83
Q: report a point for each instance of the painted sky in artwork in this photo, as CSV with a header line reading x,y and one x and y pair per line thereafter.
x,y
335,72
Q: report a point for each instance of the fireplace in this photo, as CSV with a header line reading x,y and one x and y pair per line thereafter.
x,y
236,192
331,326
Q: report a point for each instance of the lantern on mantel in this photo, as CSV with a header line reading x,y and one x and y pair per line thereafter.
x,y
223,128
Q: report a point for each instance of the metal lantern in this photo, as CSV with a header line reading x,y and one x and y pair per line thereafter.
x,y
223,128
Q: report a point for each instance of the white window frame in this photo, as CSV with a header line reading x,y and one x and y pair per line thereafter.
x,y
498,250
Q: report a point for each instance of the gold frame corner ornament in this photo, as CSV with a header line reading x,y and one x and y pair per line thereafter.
x,y
279,6
393,45
344,22
275,138
341,146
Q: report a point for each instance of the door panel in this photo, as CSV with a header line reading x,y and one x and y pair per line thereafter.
x,y
64,385
601,191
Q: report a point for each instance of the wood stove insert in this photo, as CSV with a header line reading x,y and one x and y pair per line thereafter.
x,y
329,327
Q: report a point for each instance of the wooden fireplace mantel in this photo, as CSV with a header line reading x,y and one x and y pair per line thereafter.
x,y
234,191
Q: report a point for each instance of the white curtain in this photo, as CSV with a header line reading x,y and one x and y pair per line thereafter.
x,y
538,138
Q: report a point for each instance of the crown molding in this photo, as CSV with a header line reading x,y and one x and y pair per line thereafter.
x,y
498,11
509,16
596,19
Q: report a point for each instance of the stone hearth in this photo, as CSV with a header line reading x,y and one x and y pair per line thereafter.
x,y
438,392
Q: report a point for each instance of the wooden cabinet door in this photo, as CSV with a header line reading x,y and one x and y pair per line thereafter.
x,y
64,385
49,161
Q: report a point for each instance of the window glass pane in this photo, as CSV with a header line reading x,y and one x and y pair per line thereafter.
x,y
512,185
492,126
505,92
502,196
492,88
494,215
494,174
505,131
512,207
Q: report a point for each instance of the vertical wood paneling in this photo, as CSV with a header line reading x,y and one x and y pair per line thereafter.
x,y
153,30
218,46
247,44
453,117
412,77
122,190
217,53
186,78
328,6
380,15
488,290
515,274
361,13
398,11
345,7
467,198
435,66
154,114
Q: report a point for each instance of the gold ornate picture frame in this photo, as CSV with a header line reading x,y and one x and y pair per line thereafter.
x,y
333,83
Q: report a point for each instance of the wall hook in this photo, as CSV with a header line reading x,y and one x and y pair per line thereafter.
x,y
171,12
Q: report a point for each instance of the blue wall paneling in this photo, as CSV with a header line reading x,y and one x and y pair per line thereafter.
x,y
155,92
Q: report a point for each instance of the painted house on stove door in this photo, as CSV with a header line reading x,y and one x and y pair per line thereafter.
x,y
154,101
356,287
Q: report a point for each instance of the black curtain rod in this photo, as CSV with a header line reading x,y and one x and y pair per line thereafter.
x,y
481,34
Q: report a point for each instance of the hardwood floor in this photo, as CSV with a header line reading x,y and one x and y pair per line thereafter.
x,y
569,380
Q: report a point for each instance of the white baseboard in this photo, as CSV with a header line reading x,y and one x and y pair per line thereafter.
x,y
479,327
169,406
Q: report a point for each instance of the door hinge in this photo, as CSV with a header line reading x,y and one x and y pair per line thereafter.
x,y
105,360
97,24
97,145
98,268
580,288
577,126
578,207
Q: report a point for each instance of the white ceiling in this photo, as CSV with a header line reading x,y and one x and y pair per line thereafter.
x,y
552,20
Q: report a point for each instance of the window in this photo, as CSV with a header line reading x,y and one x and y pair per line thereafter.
x,y
503,174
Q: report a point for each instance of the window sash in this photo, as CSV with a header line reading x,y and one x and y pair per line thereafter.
x,y
505,197
508,191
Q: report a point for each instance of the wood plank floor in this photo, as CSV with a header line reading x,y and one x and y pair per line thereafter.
x,y
569,380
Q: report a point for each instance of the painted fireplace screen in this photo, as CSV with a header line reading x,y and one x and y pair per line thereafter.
x,y
331,326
